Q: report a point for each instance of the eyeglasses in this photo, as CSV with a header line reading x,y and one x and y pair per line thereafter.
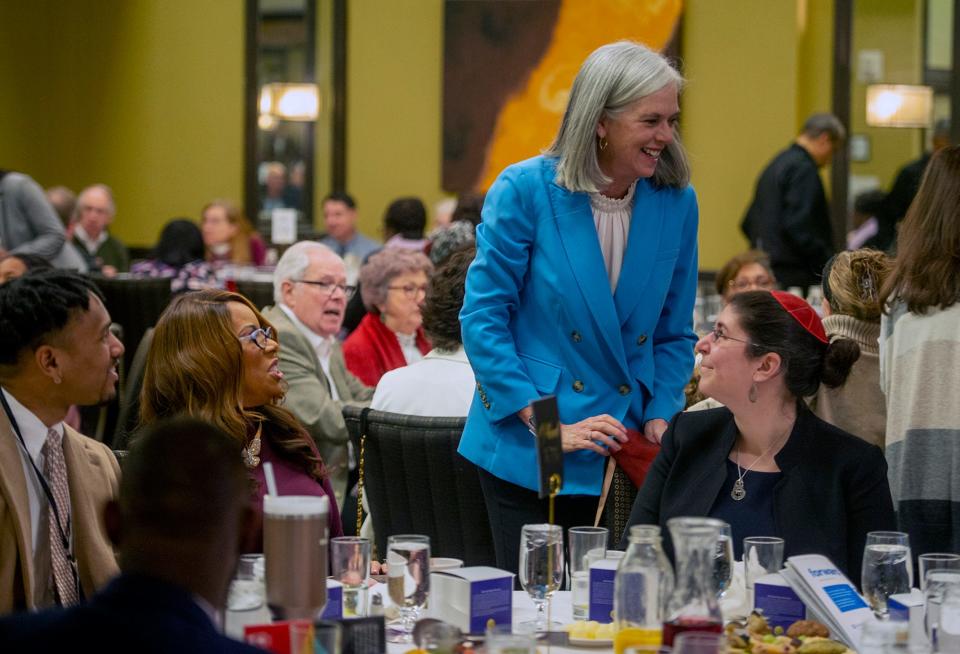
x,y
259,337
328,287
410,290
763,283
717,334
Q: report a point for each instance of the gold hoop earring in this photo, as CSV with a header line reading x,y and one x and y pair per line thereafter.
x,y
603,143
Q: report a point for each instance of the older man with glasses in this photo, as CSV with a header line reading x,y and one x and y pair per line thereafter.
x,y
311,293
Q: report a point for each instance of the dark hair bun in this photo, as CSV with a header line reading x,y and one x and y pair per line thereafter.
x,y
839,359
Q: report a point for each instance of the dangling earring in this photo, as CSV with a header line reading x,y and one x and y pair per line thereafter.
x,y
752,395
603,143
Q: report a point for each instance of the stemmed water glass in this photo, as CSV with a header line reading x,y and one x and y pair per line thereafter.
x,y
408,580
887,568
541,569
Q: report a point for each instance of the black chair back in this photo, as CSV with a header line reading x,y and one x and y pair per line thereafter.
x,y
417,483
260,293
135,304
129,416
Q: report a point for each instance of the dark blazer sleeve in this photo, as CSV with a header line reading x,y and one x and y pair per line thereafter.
x,y
869,506
802,187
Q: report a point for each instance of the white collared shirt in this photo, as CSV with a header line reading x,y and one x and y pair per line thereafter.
x,y
91,244
322,345
408,345
442,384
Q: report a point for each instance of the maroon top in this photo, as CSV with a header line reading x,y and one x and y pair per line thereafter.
x,y
291,480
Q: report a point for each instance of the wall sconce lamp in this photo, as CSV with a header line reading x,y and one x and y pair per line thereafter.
x,y
899,105
286,101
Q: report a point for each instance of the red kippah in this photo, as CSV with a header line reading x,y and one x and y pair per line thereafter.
x,y
802,312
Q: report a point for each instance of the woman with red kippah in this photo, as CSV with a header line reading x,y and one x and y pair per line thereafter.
x,y
763,462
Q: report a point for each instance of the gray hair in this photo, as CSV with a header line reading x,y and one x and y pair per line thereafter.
x,y
294,263
824,123
381,269
95,187
612,77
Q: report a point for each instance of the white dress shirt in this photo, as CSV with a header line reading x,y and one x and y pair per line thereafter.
x,y
408,345
612,220
322,345
92,244
440,385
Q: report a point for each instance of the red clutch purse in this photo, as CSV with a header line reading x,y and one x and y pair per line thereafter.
x,y
636,456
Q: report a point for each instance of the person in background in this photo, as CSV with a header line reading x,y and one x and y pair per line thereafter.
x,y
181,521
458,235
18,265
56,350
442,384
340,218
904,190
29,225
64,202
789,217
228,236
866,206
920,361
469,207
393,283
583,287
851,309
745,272
764,463
215,357
179,255
104,253
310,292
276,193
443,213
403,224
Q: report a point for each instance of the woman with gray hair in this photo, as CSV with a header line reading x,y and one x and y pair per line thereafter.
x,y
393,285
583,288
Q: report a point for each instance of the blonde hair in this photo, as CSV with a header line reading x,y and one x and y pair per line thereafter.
x,y
195,367
240,251
854,281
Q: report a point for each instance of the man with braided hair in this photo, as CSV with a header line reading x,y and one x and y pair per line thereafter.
x,y
56,350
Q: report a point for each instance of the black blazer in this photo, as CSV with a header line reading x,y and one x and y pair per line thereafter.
x,y
833,491
133,613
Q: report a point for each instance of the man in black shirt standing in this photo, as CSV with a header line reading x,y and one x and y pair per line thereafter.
x,y
789,217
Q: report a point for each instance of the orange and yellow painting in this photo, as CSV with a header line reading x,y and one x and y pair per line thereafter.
x,y
509,65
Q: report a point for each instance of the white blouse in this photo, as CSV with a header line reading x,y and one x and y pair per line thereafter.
x,y
612,219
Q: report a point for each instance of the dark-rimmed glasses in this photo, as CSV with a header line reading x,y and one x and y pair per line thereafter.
x,y
328,287
410,290
259,337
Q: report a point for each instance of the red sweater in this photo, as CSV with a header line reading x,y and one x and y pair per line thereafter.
x,y
373,349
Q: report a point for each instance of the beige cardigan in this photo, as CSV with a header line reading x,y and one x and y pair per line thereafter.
x,y
859,406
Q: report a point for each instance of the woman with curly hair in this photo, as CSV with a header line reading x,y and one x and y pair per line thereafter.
x,y
215,357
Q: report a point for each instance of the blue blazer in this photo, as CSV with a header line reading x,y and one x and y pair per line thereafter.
x,y
539,319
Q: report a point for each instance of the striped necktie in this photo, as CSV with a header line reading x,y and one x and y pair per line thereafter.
x,y
61,565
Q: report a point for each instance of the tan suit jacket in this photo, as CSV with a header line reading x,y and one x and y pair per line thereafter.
x,y
94,477
309,396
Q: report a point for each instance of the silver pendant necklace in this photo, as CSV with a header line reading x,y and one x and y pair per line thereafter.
x,y
738,492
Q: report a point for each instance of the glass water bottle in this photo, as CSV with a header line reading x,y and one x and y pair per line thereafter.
x,y
642,586
693,604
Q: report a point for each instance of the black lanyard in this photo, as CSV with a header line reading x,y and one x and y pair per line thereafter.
x,y
50,498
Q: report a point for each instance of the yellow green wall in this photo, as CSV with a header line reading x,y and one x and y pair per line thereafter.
x,y
144,96
395,81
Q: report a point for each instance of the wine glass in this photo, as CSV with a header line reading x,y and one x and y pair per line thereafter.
x,y
541,569
723,561
887,568
408,580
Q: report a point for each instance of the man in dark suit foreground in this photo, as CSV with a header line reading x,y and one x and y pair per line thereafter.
x,y
182,518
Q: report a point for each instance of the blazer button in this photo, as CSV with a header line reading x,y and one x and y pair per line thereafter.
x,y
578,386
624,389
641,339
575,335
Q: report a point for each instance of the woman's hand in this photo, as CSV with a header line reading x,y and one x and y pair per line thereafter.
x,y
601,434
653,430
